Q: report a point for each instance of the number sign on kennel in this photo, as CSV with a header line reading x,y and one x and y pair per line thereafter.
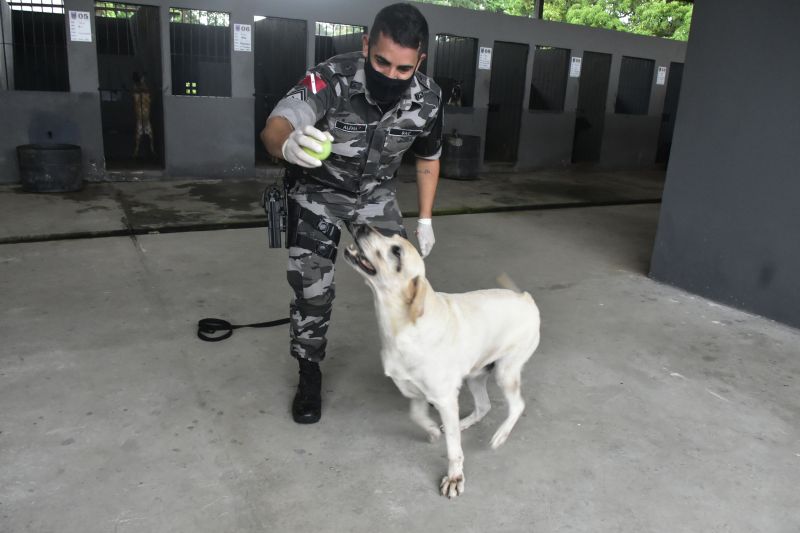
x,y
242,40
485,58
80,26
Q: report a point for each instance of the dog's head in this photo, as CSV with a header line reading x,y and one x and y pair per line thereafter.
x,y
391,266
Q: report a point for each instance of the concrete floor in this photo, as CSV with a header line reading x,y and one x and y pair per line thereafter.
x,y
649,410
120,208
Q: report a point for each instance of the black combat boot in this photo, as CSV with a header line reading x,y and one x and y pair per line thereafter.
x,y
307,404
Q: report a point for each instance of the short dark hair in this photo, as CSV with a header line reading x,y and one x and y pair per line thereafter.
x,y
404,24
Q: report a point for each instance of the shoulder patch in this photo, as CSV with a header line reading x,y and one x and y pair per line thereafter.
x,y
313,82
298,94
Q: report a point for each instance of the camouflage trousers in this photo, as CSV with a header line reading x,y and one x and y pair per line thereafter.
x,y
311,274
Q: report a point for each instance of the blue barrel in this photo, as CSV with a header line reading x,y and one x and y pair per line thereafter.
x,y
50,167
460,157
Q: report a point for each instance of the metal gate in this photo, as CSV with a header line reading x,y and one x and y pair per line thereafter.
x,y
670,109
279,54
549,78
129,68
634,86
454,71
34,46
506,92
591,111
332,39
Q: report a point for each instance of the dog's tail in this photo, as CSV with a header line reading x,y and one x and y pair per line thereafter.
x,y
507,283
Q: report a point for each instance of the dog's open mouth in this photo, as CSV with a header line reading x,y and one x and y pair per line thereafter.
x,y
354,255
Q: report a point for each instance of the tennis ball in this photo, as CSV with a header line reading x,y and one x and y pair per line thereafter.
x,y
326,151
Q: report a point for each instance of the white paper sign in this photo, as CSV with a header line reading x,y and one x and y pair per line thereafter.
x,y
242,37
575,67
80,26
661,77
485,58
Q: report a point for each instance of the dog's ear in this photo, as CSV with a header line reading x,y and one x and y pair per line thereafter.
x,y
415,298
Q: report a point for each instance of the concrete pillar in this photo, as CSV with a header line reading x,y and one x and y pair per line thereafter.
x,y
6,48
729,220
83,77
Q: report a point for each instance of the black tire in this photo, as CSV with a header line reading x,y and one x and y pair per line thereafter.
x,y
50,167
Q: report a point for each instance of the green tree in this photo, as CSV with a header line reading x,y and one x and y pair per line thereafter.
x,y
658,18
198,16
662,19
522,8
596,14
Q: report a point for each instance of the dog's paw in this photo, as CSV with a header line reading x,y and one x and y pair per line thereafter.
x,y
434,434
452,486
499,438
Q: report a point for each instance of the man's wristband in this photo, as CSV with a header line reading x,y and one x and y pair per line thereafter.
x,y
425,221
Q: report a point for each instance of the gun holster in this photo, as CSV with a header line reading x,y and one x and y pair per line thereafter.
x,y
279,209
284,215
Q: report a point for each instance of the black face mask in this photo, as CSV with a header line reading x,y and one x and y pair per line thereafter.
x,y
384,90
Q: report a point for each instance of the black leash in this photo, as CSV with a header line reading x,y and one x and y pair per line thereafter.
x,y
275,203
208,327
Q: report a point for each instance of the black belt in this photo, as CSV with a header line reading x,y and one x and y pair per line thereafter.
x,y
320,224
328,251
327,228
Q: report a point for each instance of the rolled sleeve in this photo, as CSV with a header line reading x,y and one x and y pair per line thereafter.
x,y
429,144
305,104
299,114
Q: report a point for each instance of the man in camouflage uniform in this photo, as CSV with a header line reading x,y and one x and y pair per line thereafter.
x,y
373,105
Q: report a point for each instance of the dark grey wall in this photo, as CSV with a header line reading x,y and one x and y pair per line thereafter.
x,y
35,117
39,116
209,136
546,139
630,141
226,124
730,219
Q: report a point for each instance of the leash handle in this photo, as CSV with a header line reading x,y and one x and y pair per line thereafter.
x,y
207,328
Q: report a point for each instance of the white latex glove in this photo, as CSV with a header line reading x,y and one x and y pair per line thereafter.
x,y
308,137
425,236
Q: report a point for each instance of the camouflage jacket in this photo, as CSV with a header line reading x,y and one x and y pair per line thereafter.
x,y
368,145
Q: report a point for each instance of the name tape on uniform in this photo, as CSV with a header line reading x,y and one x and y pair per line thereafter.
x,y
349,126
400,132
